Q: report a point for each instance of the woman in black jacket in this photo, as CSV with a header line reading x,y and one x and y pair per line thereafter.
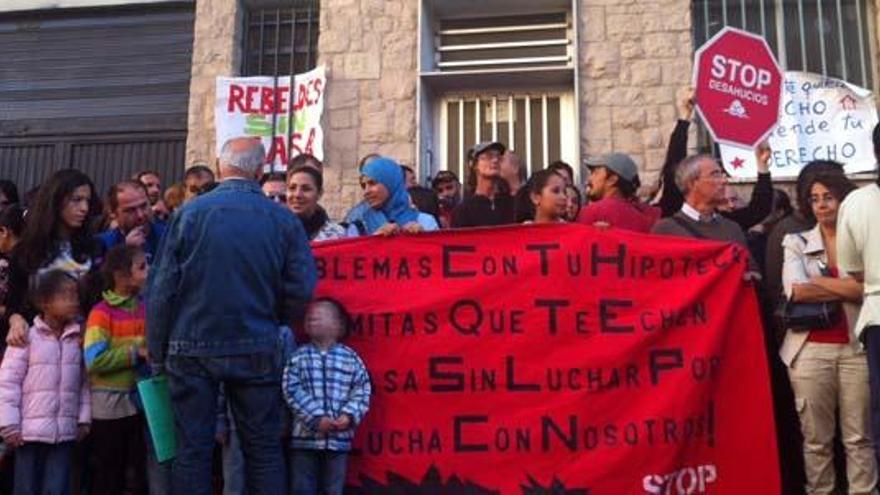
x,y
57,236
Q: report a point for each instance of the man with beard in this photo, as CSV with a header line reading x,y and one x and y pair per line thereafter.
x,y
614,181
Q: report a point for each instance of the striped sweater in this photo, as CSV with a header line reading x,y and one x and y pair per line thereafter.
x,y
114,332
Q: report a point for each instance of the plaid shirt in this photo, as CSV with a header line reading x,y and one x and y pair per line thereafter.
x,y
330,384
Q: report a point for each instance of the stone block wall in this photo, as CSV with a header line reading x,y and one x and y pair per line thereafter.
x,y
635,55
369,47
216,52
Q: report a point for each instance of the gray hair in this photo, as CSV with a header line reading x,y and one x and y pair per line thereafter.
x,y
688,171
249,160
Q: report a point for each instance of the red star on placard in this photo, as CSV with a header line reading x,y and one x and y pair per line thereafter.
x,y
737,163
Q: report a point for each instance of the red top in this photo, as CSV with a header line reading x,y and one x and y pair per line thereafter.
x,y
621,213
838,334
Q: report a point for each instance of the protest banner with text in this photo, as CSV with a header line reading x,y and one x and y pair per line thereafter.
x,y
821,118
555,359
267,108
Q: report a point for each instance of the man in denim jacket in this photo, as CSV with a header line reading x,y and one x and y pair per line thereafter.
x,y
232,268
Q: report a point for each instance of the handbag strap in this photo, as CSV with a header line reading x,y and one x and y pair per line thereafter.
x,y
688,227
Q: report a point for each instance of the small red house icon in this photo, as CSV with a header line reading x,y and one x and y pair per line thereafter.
x,y
848,103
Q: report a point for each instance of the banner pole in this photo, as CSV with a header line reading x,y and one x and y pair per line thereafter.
x,y
292,82
272,146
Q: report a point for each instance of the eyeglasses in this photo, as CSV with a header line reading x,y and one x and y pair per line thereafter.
x,y
715,175
278,198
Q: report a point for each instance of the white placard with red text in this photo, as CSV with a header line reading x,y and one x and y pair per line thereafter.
x,y
253,106
820,119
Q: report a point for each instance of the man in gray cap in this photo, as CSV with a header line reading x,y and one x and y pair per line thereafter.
x,y
614,181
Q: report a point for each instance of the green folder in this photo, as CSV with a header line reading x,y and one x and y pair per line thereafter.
x,y
160,418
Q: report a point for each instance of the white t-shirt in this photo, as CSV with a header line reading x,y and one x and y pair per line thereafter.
x,y
858,247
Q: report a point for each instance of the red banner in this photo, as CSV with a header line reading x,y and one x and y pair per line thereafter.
x,y
555,359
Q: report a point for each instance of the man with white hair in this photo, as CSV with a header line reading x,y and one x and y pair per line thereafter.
x,y
701,181
234,266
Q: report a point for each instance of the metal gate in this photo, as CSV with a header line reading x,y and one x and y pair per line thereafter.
x,y
102,90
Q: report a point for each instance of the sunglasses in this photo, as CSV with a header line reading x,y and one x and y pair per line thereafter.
x,y
278,198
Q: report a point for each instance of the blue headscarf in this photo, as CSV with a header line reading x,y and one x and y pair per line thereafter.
x,y
397,207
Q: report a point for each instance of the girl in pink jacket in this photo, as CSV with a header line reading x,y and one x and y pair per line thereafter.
x,y
44,394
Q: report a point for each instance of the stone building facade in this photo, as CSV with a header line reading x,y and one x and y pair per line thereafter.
x,y
628,60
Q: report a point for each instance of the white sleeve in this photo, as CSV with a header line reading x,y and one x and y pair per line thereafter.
x,y
849,240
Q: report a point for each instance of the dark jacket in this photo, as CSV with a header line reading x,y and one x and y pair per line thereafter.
x,y
21,280
110,238
749,216
232,267
719,229
480,211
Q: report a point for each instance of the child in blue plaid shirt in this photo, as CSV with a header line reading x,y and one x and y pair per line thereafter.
x,y
327,388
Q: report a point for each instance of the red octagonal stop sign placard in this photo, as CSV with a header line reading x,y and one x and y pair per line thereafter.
x,y
738,87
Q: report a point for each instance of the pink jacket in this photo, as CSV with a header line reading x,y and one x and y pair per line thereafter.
x,y
44,390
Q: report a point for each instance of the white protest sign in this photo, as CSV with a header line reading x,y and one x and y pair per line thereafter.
x,y
821,119
248,106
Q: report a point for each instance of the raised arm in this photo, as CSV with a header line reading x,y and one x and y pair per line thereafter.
x,y
671,199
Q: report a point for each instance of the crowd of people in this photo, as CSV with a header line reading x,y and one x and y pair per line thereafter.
x,y
210,282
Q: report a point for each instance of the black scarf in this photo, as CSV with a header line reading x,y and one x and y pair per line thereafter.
x,y
314,223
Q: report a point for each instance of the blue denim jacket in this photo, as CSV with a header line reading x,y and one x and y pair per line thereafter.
x,y
232,267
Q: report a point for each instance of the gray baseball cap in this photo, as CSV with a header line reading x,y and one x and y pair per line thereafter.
x,y
619,163
481,147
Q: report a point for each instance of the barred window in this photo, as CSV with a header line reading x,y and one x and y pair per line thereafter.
x,y
828,37
281,41
536,126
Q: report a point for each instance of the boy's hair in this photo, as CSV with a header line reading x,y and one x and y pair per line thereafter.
x,y
341,312
47,285
118,260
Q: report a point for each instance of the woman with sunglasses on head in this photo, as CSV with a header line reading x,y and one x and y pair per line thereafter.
x,y
305,186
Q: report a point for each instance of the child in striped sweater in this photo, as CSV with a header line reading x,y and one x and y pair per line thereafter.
x,y
115,352
327,387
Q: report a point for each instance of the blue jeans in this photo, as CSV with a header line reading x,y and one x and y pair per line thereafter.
x,y
43,468
317,471
871,336
252,383
233,466
158,474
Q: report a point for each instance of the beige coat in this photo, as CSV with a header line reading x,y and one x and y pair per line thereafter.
x,y
804,258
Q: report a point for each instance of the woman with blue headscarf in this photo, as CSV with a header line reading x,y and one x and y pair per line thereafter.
x,y
389,209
